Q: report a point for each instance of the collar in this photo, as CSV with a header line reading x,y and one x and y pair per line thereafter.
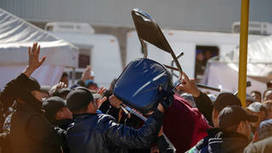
x,y
213,131
62,123
227,134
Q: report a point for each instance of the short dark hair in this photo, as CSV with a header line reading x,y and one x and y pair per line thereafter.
x,y
52,105
257,92
78,99
226,99
233,115
64,74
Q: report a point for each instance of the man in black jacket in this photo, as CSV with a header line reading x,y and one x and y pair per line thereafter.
x,y
30,131
236,130
96,132
234,134
57,112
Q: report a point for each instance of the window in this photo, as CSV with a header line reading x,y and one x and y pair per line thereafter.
x,y
203,54
49,28
84,58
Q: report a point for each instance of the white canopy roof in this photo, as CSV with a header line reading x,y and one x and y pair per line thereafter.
x,y
224,73
259,58
16,35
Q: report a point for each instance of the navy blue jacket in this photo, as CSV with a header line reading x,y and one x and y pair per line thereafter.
x,y
100,133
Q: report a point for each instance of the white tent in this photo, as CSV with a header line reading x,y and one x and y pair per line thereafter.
x,y
224,73
16,35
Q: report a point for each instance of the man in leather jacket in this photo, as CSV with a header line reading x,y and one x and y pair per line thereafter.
x,y
100,133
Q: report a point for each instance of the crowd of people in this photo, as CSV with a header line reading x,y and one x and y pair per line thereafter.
x,y
83,118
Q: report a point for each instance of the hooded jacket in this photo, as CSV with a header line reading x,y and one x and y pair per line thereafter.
x,y
184,125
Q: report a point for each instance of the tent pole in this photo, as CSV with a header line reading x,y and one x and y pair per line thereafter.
x,y
243,51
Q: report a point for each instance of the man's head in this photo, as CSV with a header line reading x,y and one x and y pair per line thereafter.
x,y
268,108
249,100
269,84
90,84
64,78
223,100
236,119
45,91
33,87
267,95
265,129
63,92
81,100
256,95
258,110
56,109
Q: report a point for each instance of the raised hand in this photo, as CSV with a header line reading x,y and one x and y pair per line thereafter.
x,y
101,101
86,75
188,85
101,92
57,86
34,62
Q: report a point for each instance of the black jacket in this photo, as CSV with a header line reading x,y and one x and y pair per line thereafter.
x,y
203,145
99,133
30,131
221,142
205,106
232,142
64,125
262,146
164,145
228,142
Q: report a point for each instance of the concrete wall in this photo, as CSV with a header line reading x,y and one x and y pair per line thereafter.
x,y
204,15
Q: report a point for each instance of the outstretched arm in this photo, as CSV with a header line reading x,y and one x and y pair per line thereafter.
x,y
14,88
33,59
203,102
121,135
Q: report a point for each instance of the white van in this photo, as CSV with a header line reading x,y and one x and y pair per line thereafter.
x,y
192,43
101,51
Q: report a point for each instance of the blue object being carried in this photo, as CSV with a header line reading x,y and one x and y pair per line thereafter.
x,y
138,84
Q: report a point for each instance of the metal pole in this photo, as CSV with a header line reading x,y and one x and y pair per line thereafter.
x,y
243,51
144,48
